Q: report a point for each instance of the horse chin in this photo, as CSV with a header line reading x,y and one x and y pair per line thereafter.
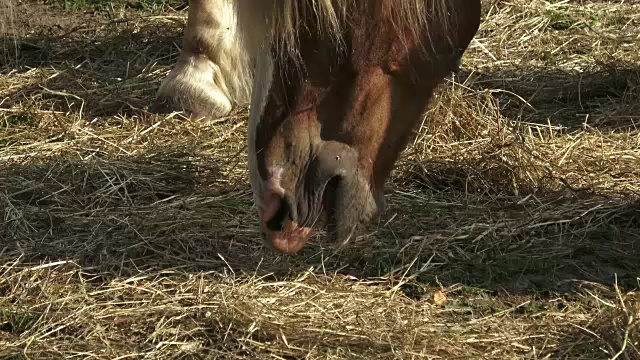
x,y
349,205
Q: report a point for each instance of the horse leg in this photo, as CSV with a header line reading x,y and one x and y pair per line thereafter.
x,y
212,74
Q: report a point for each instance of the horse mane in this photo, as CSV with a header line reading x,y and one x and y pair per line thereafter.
x,y
277,22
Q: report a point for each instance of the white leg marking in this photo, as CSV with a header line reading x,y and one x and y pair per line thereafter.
x,y
261,85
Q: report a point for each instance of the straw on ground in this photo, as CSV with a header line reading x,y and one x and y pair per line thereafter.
x,y
513,228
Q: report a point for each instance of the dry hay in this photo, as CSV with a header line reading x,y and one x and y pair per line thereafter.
x,y
513,228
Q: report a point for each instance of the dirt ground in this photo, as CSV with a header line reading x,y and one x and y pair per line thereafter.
x,y
513,228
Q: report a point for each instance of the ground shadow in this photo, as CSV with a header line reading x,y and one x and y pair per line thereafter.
x,y
165,210
154,214
86,63
605,98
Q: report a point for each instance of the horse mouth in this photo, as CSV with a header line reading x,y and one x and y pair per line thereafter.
x,y
291,240
343,208
289,237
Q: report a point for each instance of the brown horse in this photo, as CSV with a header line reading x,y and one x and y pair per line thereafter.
x,y
338,89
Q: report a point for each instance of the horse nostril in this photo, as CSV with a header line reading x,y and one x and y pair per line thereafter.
x,y
286,210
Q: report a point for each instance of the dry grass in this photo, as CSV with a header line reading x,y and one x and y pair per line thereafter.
x,y
129,235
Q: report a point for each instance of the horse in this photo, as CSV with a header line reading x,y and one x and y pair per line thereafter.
x,y
336,90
